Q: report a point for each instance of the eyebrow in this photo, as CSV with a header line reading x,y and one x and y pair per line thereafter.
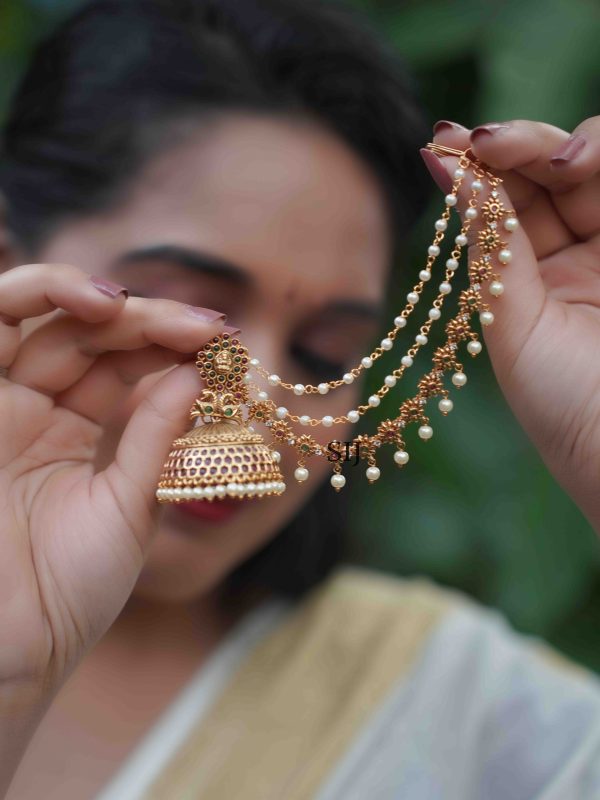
x,y
194,260
215,266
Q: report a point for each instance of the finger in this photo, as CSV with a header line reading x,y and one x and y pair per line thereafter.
x,y
31,290
530,149
57,354
547,230
562,164
160,417
110,381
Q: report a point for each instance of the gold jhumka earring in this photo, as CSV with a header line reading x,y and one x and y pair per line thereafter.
x,y
223,456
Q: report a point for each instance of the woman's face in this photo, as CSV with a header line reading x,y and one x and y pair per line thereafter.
x,y
279,225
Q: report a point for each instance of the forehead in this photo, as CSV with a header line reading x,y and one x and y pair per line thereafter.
x,y
287,200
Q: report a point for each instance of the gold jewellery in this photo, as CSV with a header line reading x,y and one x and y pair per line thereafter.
x,y
223,456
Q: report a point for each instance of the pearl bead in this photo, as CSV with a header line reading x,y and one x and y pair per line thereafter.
x,y
209,492
496,288
247,378
386,344
390,380
400,322
433,250
452,264
374,400
461,239
406,361
348,377
477,186
486,317
445,287
274,380
504,256
304,419
299,389
367,362
263,396
281,412
254,362
373,473
425,275
420,338
323,388
327,421
474,347
301,474
434,313
338,480
425,432
445,405
459,173
459,379
450,199
188,492
441,224
511,224
276,456
353,415
401,457
220,490
412,297
471,213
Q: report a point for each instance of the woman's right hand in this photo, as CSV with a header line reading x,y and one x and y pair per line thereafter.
x,y
72,541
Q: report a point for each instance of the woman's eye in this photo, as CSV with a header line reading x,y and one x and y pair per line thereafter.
x,y
323,368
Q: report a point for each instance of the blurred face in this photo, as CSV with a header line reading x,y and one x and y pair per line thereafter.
x,y
280,226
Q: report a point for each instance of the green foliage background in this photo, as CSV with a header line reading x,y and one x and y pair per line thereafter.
x,y
476,508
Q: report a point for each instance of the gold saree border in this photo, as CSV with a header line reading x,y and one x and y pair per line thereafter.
x,y
302,694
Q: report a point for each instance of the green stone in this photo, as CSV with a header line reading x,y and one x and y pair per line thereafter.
x,y
228,412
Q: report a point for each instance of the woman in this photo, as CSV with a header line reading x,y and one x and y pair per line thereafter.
x,y
169,163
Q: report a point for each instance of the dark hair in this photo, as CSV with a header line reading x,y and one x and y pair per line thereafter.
x,y
100,98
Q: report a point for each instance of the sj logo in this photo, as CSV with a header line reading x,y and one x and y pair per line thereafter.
x,y
341,451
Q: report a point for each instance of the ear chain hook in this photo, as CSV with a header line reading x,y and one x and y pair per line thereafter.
x,y
442,150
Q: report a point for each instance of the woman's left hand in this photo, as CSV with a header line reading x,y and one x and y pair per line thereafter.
x,y
544,343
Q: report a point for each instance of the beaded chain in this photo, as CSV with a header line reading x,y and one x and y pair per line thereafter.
x,y
458,329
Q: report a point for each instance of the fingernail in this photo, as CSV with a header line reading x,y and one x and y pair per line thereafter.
x,y
446,124
110,288
568,150
206,314
437,170
488,130
231,330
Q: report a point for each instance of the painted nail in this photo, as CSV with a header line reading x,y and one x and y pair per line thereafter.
x,y
206,314
489,130
231,330
110,288
437,169
568,150
446,124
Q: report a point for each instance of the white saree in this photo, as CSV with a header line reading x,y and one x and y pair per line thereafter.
x,y
376,688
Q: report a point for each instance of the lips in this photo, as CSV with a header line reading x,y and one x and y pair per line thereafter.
x,y
215,511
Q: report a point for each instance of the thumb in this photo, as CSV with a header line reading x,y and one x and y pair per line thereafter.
x,y
160,417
